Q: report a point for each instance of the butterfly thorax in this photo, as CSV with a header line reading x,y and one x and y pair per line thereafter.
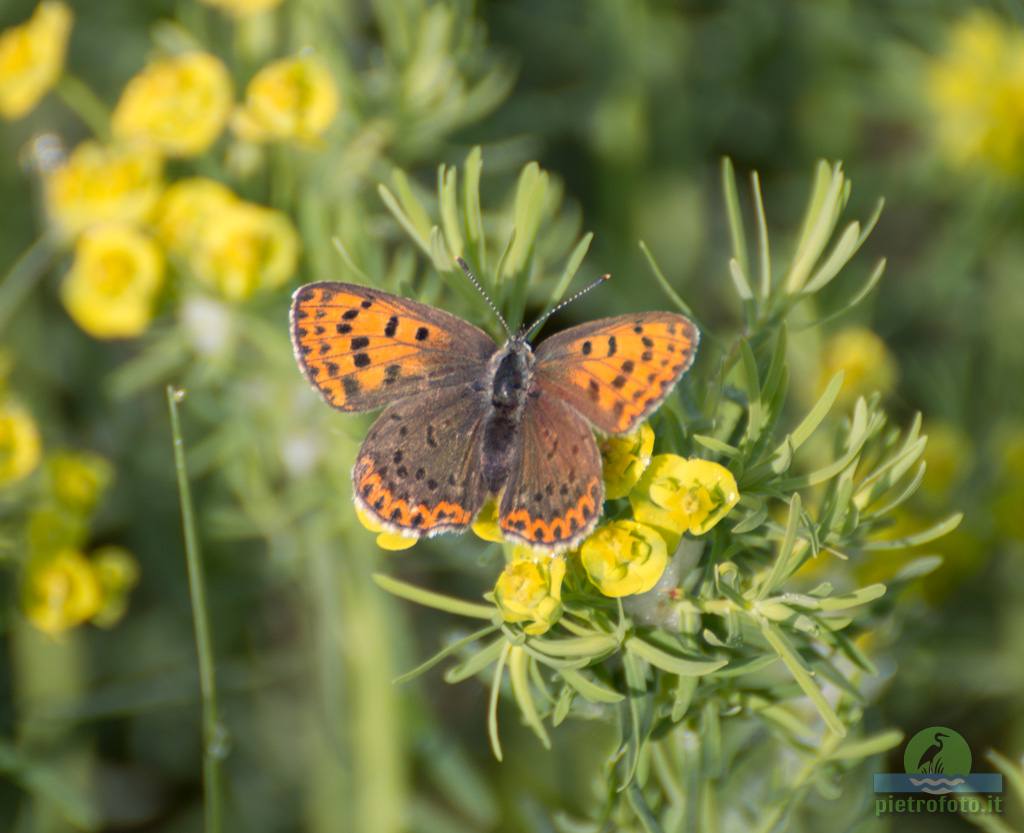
x,y
510,371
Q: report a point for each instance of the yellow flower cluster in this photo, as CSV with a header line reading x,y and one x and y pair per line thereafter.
x,y
32,58
110,200
67,588
976,89
179,104
291,99
529,591
20,446
865,361
116,275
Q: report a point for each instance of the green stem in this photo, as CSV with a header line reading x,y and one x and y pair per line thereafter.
x,y
214,733
22,276
85,104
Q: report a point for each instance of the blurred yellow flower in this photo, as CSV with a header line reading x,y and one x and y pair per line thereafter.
x,y
864,359
248,248
243,8
116,275
624,557
78,479
947,457
976,89
530,590
32,58
188,208
676,495
117,573
294,98
179,104
100,183
61,591
20,447
385,540
486,523
625,459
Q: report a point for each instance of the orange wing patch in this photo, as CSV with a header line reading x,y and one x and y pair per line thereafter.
x,y
420,518
617,374
353,342
573,525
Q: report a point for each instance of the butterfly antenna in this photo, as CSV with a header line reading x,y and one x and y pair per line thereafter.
x,y
540,321
487,298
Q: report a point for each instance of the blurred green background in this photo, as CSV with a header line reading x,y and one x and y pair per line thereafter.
x,y
629,105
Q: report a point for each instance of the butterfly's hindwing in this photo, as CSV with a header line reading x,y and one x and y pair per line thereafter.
x,y
554,493
616,371
362,348
418,470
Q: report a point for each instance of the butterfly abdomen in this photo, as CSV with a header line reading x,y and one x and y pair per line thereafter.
x,y
510,382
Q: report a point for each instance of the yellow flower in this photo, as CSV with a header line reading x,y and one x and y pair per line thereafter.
x,y
864,359
624,557
385,540
246,249
188,208
112,287
530,590
675,495
61,591
180,104
32,58
100,184
947,457
117,573
625,459
79,478
486,524
294,98
243,8
20,447
976,89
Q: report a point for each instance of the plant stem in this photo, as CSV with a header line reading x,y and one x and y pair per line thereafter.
x,y
80,98
22,276
214,733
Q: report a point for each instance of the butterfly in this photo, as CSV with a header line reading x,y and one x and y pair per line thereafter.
x,y
465,418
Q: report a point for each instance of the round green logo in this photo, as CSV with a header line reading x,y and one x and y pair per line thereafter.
x,y
937,750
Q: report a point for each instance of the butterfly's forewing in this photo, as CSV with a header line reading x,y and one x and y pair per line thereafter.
x,y
617,371
418,470
554,493
362,348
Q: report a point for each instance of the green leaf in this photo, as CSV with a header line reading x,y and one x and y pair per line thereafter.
x,y
428,598
447,651
582,646
739,280
749,665
863,596
764,252
796,666
673,296
673,663
593,691
517,672
471,201
752,384
476,663
717,445
918,538
492,701
735,217
782,567
859,748
685,689
448,197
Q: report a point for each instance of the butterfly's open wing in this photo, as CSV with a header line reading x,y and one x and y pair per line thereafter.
x,y
418,471
617,371
362,348
554,493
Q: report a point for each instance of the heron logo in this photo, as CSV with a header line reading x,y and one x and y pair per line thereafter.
x,y
937,762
